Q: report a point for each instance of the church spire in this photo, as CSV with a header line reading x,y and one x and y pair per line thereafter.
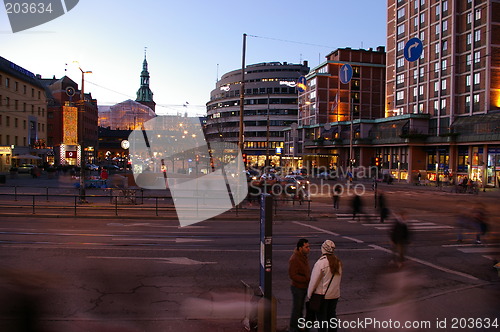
x,y
144,94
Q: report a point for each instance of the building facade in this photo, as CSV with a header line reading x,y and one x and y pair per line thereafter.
x,y
270,106
23,116
327,106
455,83
65,111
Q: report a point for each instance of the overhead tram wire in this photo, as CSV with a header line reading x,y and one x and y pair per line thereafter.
x,y
291,41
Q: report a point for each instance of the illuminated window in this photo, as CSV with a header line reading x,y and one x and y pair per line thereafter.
x,y
444,64
477,78
477,35
468,60
401,29
478,14
401,12
400,79
401,46
477,57
445,26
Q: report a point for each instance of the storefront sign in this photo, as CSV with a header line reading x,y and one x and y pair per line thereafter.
x,y
71,154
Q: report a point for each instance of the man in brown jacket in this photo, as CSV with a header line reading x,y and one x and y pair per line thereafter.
x,y
300,274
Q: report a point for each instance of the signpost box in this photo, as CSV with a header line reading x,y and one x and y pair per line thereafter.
x,y
266,322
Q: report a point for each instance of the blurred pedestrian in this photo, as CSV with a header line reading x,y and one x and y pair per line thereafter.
x,y
336,192
299,272
357,206
104,174
400,237
384,211
325,280
480,221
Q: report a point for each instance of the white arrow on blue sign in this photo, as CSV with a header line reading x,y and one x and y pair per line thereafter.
x,y
413,49
345,73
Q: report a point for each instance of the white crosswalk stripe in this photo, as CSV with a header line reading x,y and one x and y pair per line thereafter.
x,y
374,222
491,252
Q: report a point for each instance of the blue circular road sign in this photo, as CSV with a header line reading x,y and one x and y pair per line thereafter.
x,y
301,84
413,49
345,73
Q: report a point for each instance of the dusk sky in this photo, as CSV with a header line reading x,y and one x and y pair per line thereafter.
x,y
188,42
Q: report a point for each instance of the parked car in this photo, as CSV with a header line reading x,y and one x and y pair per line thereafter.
x,y
326,175
25,168
92,167
111,167
299,178
294,188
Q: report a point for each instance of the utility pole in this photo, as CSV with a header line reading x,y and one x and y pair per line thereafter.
x,y
267,134
242,93
81,137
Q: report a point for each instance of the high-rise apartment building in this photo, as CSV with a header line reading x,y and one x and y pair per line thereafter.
x,y
456,75
455,83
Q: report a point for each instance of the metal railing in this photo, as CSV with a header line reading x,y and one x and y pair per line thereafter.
x,y
34,200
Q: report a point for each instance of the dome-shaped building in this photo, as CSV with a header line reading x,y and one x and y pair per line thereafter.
x,y
127,115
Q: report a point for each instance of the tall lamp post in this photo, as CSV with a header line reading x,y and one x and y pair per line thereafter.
x,y
81,138
242,94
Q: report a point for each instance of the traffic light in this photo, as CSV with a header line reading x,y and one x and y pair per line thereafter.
x,y
377,161
244,155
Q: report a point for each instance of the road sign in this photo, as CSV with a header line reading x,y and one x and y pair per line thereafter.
x,y
345,73
301,84
413,49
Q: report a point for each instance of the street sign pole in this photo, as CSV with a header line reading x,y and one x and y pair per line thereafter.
x,y
266,257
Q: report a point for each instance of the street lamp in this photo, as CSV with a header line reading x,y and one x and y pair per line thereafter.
x,y
81,127
242,94
351,154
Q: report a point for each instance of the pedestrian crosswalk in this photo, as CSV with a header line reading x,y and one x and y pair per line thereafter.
x,y
373,221
491,252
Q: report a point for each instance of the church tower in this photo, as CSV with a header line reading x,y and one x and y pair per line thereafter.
x,y
144,94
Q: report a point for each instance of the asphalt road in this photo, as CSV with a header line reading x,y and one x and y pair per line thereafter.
x,y
148,274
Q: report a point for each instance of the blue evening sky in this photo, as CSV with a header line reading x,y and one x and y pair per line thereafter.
x,y
185,41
